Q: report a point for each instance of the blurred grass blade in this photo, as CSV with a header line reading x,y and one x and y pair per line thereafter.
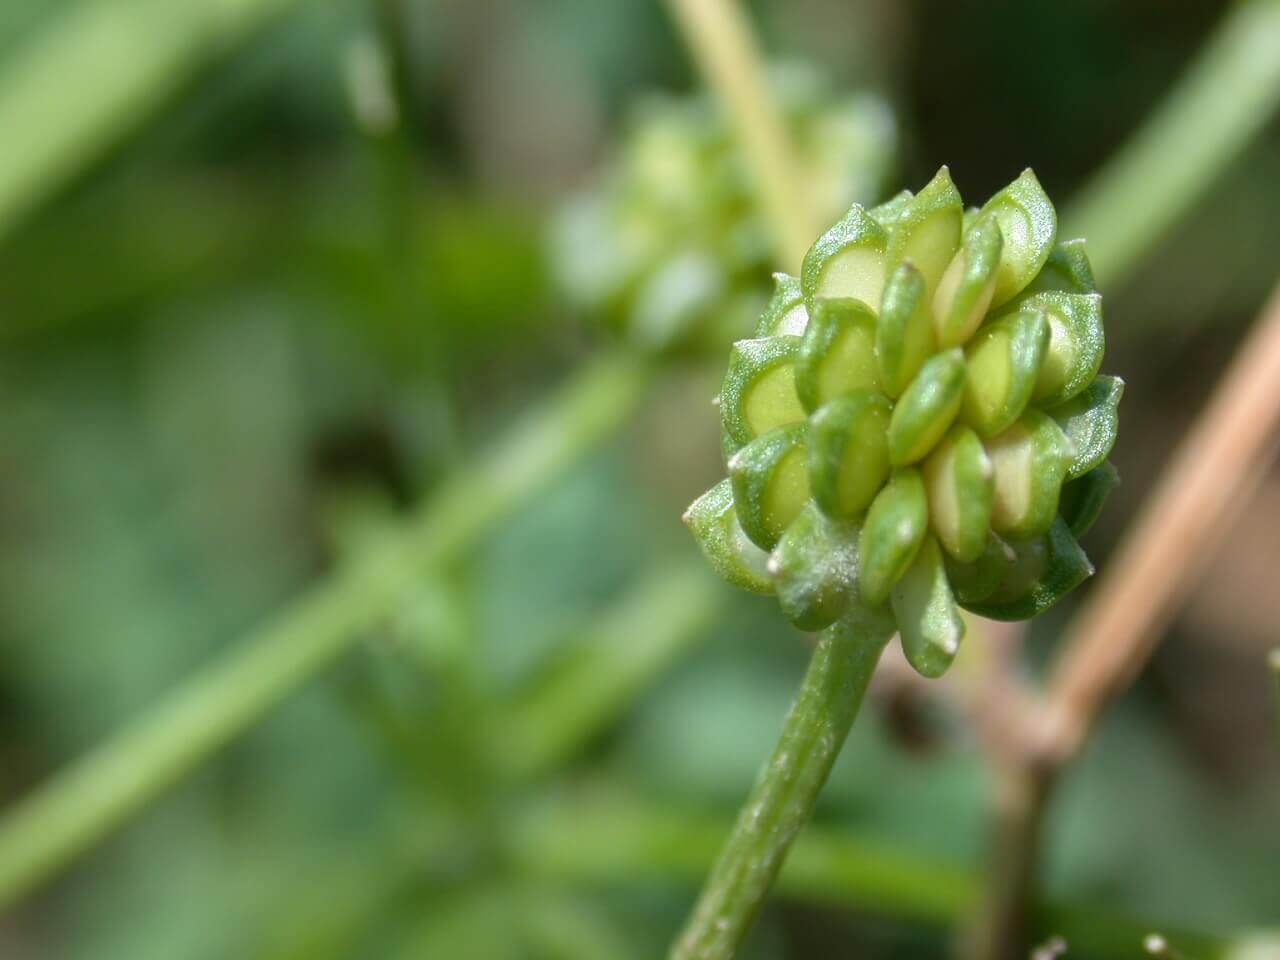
x,y
97,793
1211,115
612,842
94,74
658,621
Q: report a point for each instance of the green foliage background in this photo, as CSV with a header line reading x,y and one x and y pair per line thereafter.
x,y
245,336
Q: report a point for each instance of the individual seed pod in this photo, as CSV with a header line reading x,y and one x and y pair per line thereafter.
x,y
815,568
785,314
1091,420
1076,344
886,214
960,484
1044,570
759,390
849,452
926,231
1029,225
1004,359
1030,461
892,533
928,621
964,292
1082,499
837,353
1067,270
976,581
770,483
714,523
847,260
926,408
904,332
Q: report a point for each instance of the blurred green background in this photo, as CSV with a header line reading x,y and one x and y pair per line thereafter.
x,y
303,264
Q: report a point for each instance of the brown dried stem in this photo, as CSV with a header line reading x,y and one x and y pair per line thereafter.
x,y
1212,474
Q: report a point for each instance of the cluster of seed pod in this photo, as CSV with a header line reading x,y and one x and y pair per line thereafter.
x,y
919,424
670,243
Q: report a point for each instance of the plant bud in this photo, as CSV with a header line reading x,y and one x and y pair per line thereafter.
x,y
848,260
904,333
960,483
1004,361
894,529
849,453
837,353
926,408
759,391
770,483
928,621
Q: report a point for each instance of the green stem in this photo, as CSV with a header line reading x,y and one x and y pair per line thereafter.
x,y
784,794
1210,116
97,793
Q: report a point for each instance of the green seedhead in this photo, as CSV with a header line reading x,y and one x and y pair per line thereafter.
x,y
670,243
919,424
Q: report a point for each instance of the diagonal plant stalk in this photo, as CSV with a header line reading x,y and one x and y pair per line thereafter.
x,y
127,57
1214,111
1273,661
1209,479
87,800
785,792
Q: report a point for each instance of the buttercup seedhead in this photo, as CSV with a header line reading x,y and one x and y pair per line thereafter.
x,y
919,424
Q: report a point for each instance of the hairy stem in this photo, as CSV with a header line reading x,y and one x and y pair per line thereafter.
x,y
784,794
719,35
86,801
1210,116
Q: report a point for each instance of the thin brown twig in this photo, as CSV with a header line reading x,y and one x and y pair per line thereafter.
x,y
1213,472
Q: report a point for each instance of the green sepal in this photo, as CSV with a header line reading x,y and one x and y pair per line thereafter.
x,y
963,295
758,392
847,260
1004,361
1029,461
886,214
928,621
1029,225
1091,420
1082,499
904,332
1045,570
927,407
971,215
770,483
837,353
1067,270
892,533
815,568
926,231
714,523
785,314
1076,344
849,452
976,581
960,484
